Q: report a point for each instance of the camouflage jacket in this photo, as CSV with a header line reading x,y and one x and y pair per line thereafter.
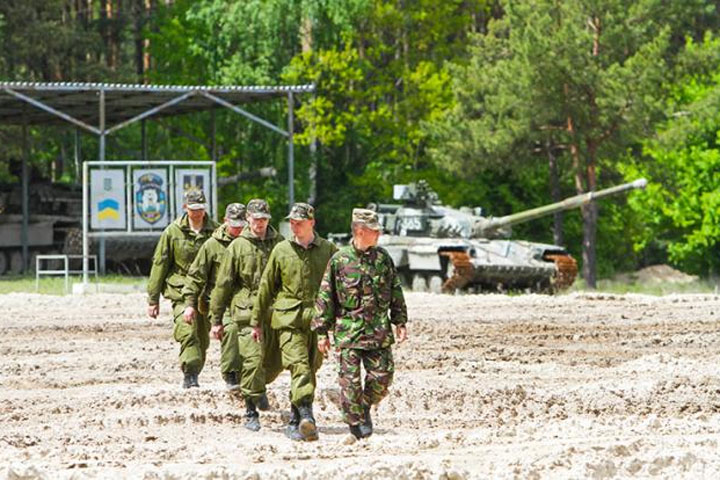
x,y
174,253
359,298
290,282
203,271
240,273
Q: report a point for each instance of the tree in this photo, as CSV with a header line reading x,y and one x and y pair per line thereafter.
x,y
586,76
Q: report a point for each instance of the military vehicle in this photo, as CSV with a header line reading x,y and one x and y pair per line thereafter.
x,y
444,249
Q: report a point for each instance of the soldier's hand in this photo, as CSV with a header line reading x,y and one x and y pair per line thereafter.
x,y
153,310
324,346
217,331
189,315
401,333
257,334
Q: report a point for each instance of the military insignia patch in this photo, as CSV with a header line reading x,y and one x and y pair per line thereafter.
x,y
150,200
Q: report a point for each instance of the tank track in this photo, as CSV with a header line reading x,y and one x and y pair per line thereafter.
x,y
462,272
566,269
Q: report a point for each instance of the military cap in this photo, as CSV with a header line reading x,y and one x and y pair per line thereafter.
x,y
366,218
195,199
235,215
258,208
301,211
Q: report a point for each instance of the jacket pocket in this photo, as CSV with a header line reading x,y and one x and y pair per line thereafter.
x,y
349,292
287,313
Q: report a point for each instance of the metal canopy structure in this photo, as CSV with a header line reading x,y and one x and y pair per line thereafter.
x,y
102,109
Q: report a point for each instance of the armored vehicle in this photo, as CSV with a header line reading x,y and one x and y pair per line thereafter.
x,y
443,249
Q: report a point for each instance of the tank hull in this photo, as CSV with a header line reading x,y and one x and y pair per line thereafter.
x,y
450,265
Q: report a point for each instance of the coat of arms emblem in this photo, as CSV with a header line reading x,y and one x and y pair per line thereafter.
x,y
150,200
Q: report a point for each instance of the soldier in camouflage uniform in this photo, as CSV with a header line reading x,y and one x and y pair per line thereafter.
x,y
237,286
175,251
360,297
290,283
203,273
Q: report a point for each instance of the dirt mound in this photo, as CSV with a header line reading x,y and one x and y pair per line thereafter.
x,y
656,274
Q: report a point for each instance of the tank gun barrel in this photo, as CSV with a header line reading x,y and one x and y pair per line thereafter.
x,y
492,224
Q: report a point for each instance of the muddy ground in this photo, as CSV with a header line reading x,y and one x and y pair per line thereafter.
x,y
579,386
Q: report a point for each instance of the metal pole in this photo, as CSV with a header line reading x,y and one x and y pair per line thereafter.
x,y
101,155
77,154
291,152
25,200
213,140
85,204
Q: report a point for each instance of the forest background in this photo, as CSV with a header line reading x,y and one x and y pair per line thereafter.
x,y
506,105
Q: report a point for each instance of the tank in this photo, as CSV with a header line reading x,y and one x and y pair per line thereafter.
x,y
55,226
443,249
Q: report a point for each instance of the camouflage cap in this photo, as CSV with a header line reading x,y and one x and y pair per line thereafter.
x,y
367,218
258,208
195,199
235,215
301,211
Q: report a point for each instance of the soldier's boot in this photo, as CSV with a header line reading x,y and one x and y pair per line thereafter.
x,y
231,381
262,403
292,431
366,428
252,417
355,430
190,380
307,423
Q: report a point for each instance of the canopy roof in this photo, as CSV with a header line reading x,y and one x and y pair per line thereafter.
x,y
39,103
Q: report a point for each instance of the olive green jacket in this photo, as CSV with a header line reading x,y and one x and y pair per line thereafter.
x,y
290,282
174,253
203,271
240,273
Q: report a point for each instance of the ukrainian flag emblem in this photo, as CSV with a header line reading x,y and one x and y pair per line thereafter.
x,y
108,209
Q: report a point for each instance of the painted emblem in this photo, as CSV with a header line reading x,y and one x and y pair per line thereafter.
x,y
150,198
108,209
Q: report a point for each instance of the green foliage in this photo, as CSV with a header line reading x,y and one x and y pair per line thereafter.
x,y
683,164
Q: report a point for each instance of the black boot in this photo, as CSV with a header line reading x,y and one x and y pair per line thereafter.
x,y
366,428
355,430
262,403
252,417
292,431
190,380
231,382
307,423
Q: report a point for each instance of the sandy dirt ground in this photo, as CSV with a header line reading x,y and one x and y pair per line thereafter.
x,y
489,386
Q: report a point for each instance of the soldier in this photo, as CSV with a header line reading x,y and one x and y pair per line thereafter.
x,y
237,286
360,297
202,276
290,283
175,251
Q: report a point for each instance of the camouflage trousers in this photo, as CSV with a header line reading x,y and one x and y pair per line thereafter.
x,y
379,370
193,339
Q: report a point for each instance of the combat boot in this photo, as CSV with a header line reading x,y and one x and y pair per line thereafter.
x,y
231,382
355,430
307,423
252,417
366,428
292,431
190,380
262,403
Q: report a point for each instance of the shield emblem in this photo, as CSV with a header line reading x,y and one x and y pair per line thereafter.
x,y
150,200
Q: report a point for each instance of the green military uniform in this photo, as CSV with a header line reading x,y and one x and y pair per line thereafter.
x,y
291,279
360,297
237,286
201,280
175,252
